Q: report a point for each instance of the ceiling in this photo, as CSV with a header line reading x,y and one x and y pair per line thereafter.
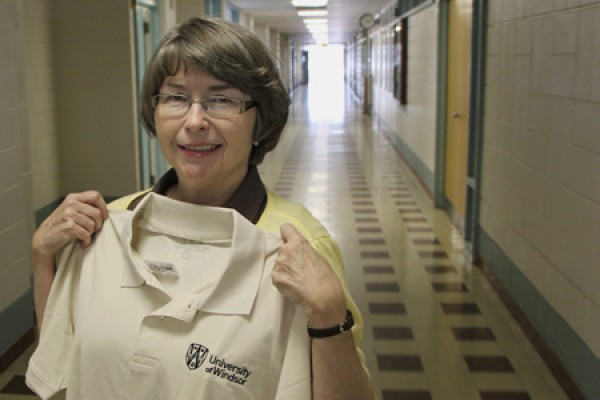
x,y
281,15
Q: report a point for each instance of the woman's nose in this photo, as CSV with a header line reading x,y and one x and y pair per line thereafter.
x,y
196,117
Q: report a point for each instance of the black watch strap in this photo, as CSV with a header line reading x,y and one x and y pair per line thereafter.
x,y
342,327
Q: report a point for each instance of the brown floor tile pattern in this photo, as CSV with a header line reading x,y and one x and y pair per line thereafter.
x,y
473,333
392,362
387,308
460,308
378,269
489,364
393,333
405,395
504,395
382,287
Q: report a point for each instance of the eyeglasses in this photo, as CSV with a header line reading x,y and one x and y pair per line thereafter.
x,y
177,105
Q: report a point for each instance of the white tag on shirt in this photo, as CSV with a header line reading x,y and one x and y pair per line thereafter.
x,y
162,268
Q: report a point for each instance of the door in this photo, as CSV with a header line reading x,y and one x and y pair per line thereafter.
x,y
304,67
460,14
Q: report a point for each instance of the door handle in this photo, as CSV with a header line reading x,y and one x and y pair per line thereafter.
x,y
456,114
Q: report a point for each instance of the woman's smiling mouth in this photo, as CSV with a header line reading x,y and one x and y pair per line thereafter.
x,y
200,148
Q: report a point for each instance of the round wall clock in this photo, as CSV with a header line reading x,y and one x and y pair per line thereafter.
x,y
367,21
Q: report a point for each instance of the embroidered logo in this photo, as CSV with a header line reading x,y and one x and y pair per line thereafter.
x,y
195,356
219,367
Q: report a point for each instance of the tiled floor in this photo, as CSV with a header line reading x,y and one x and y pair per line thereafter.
x,y
434,326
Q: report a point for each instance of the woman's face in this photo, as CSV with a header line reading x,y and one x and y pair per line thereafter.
x,y
209,154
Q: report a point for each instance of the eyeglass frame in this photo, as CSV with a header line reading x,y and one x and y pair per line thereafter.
x,y
244,105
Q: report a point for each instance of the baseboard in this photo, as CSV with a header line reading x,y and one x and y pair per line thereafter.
x,y
570,360
15,351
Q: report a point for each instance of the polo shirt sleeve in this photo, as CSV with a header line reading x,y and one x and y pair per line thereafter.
x,y
47,372
295,381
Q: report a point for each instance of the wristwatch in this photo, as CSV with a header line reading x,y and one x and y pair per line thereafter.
x,y
342,327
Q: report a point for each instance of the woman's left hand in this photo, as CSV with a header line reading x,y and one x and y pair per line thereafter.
x,y
305,277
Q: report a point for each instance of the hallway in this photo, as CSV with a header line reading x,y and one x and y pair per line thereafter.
x,y
434,326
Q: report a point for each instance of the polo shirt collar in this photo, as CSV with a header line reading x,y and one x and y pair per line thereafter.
x,y
235,290
249,199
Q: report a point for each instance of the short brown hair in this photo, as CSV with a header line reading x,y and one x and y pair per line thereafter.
x,y
232,54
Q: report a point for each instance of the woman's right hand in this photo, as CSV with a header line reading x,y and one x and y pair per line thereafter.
x,y
78,217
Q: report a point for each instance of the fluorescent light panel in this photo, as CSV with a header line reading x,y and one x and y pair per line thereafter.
x,y
309,3
315,21
313,13
318,29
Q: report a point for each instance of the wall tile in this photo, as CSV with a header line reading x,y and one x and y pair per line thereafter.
x,y
9,158
9,17
15,175
13,283
586,126
541,77
564,67
13,245
560,5
564,37
541,172
8,127
592,326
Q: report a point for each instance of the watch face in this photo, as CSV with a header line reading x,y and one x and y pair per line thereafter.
x,y
367,21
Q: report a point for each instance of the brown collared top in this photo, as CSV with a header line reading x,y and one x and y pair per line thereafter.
x,y
249,199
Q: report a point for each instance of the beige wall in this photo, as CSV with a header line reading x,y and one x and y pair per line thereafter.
x,y
77,57
16,199
186,9
95,111
67,123
414,123
41,90
541,173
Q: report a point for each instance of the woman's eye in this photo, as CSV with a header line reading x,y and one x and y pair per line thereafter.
x,y
176,98
221,100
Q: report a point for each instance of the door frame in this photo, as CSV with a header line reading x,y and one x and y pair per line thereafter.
x,y
476,130
475,121
151,162
439,199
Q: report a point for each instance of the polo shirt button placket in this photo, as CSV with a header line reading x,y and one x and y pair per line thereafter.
x,y
190,311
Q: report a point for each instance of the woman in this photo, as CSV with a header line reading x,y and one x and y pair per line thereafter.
x,y
213,98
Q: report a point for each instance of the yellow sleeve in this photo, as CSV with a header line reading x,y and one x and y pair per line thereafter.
x,y
279,211
329,249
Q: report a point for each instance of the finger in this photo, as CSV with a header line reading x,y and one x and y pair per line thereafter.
x,y
82,234
98,201
94,214
88,204
78,218
90,197
289,232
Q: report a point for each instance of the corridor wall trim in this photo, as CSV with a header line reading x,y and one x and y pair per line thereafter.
x,y
577,358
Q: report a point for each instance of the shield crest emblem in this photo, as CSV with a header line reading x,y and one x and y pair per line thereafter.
x,y
195,356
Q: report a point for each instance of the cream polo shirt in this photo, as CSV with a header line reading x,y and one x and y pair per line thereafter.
x,y
112,331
